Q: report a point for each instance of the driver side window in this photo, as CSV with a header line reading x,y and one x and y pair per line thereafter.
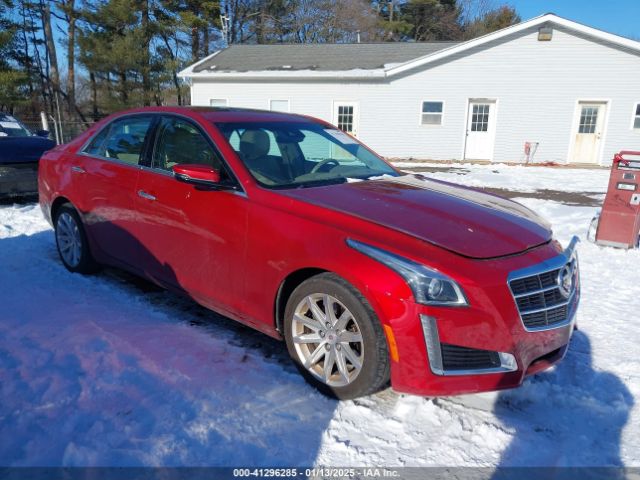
x,y
180,142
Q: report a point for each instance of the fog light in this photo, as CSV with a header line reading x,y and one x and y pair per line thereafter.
x,y
508,361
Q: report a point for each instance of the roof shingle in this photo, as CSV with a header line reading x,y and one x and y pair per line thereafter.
x,y
322,57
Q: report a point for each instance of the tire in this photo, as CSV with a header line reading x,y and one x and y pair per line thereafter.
x,y
71,241
347,360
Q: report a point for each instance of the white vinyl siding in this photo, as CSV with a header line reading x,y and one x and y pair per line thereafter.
x,y
538,85
432,113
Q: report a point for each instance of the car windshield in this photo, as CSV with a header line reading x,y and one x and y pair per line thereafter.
x,y
301,154
10,127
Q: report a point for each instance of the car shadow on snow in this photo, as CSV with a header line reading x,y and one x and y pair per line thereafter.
x,y
575,409
123,373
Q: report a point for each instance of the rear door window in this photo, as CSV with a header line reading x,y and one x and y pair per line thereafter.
x,y
122,140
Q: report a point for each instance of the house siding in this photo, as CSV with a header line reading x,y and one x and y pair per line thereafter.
x,y
536,85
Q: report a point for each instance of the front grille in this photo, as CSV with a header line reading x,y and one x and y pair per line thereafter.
x,y
463,358
537,295
534,282
543,299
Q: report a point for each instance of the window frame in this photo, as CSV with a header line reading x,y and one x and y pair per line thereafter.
x,y
588,119
635,115
144,153
483,119
233,178
421,114
156,135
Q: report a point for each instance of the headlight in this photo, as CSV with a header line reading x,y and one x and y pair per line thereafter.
x,y
429,286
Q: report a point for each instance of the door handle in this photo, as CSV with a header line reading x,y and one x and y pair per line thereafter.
x,y
78,169
145,195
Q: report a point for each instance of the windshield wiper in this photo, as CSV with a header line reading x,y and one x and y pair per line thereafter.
x,y
319,183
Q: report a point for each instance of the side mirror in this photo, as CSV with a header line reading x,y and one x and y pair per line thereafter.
x,y
199,175
42,133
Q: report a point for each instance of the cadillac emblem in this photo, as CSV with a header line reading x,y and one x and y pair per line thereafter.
x,y
566,279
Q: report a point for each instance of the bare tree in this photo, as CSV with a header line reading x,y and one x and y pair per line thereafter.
x,y
45,17
70,15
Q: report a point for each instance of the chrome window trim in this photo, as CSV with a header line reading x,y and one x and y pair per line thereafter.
x,y
508,362
117,161
546,266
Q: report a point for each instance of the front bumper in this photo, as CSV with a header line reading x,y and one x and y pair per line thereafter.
x,y
434,342
18,179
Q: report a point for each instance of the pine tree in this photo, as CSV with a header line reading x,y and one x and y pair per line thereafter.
x,y
13,81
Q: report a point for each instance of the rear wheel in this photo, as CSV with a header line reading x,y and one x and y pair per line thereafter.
x,y
71,241
335,338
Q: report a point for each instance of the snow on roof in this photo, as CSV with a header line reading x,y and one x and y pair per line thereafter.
x,y
317,57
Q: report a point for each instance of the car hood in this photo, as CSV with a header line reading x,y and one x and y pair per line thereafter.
x,y
23,149
463,220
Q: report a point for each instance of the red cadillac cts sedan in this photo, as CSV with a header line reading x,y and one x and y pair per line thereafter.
x,y
288,225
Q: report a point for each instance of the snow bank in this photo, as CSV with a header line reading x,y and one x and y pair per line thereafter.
x,y
517,177
102,370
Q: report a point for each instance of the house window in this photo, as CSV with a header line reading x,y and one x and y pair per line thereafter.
x,y
345,118
636,117
588,120
218,102
480,117
279,105
432,113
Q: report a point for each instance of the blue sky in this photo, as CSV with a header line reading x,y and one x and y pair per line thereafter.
x,y
621,17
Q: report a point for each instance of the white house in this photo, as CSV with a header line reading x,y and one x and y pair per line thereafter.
x,y
572,89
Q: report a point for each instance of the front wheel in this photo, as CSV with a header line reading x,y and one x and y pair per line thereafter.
x,y
335,338
71,241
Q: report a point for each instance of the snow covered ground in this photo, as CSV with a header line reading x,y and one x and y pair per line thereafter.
x,y
517,177
106,370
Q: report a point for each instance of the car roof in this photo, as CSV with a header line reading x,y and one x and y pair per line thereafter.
x,y
230,114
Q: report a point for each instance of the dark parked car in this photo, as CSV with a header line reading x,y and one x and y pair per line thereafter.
x,y
20,151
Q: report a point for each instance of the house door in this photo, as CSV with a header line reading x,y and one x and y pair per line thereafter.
x,y
589,125
345,117
481,130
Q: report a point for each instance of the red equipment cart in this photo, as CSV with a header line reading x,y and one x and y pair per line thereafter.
x,y
618,224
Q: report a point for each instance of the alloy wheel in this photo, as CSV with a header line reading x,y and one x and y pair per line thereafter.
x,y
69,239
327,339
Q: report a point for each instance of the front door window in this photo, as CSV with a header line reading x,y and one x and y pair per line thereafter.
x,y
588,119
480,117
180,142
